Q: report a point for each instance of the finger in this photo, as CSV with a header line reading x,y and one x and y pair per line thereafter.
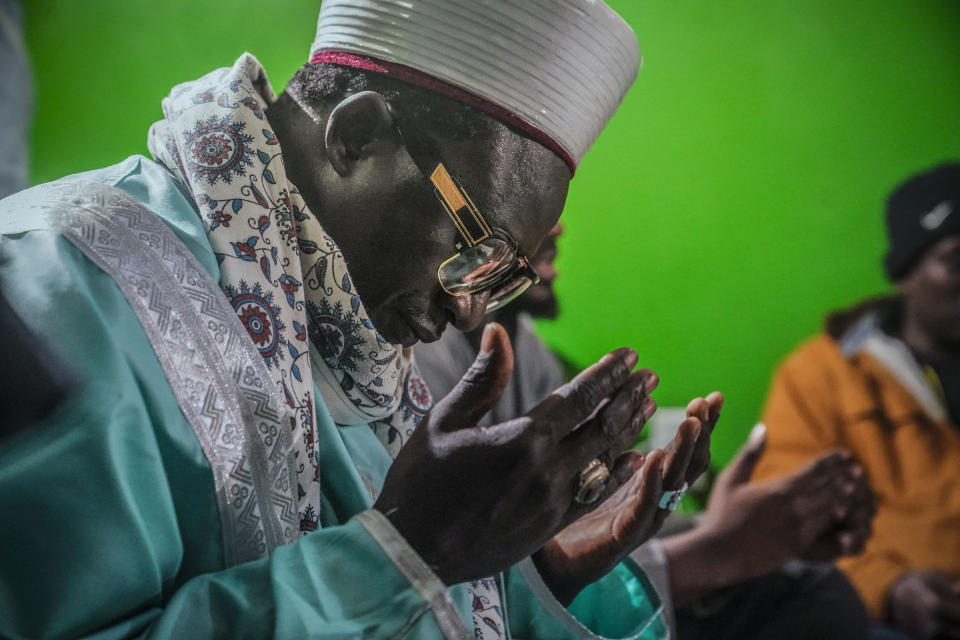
x,y
860,518
576,401
853,540
626,465
483,383
617,424
857,502
836,543
678,456
821,471
715,403
839,536
698,408
741,469
858,478
639,499
651,482
700,460
624,477
624,473
820,508
660,514
861,504
626,480
695,409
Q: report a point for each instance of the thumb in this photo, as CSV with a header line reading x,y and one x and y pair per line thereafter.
x,y
742,467
483,383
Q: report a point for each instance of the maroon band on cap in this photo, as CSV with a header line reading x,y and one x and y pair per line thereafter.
x,y
421,79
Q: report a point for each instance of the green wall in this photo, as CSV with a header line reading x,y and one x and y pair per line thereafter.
x,y
735,197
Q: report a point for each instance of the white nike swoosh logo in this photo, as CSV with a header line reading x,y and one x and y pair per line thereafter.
x,y
935,217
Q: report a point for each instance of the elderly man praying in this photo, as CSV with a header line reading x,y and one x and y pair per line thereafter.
x,y
252,452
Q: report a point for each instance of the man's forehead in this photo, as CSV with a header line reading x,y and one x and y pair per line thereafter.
x,y
524,194
530,226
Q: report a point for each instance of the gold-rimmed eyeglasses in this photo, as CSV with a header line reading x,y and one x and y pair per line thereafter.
x,y
487,258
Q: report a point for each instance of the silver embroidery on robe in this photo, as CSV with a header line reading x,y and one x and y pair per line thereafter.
x,y
219,379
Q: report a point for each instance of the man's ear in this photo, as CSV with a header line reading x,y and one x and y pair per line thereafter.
x,y
358,126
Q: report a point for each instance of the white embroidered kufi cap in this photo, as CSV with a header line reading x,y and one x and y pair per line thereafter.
x,y
555,69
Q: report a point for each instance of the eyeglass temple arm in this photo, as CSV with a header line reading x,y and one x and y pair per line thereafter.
x,y
472,228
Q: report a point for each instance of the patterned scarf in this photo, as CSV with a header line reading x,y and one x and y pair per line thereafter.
x,y
288,282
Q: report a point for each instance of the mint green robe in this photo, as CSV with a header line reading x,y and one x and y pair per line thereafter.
x,y
111,527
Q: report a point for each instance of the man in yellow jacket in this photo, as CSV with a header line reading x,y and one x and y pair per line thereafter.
x,y
883,380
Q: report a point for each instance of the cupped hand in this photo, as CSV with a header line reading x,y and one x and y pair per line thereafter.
x,y
591,546
474,500
927,604
812,513
819,512
853,515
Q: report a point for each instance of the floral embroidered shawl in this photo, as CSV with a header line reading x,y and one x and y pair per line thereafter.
x,y
288,282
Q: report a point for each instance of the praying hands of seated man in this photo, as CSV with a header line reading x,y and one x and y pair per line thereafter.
x,y
474,500
818,513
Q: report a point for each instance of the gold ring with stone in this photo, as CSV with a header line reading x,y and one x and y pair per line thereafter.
x,y
591,482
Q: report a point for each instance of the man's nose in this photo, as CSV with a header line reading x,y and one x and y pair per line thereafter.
x,y
466,312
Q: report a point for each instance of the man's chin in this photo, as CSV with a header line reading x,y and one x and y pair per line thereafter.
x,y
393,329
404,337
